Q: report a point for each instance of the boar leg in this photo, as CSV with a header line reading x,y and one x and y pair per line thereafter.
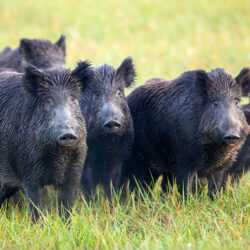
x,y
6,192
113,180
87,182
215,182
66,197
184,183
238,172
145,176
150,179
31,191
167,180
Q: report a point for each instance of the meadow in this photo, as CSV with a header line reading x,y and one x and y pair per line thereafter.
x,y
165,38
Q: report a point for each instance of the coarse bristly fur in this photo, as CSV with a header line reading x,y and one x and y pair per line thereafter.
x,y
180,127
104,100
32,106
40,53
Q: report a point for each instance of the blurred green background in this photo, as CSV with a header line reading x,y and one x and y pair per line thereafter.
x,y
165,38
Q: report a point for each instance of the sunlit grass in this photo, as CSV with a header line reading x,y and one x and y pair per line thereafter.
x,y
156,221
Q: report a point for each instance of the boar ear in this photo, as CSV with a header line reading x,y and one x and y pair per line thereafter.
x,y
33,79
26,47
246,109
61,43
126,72
202,81
83,73
244,80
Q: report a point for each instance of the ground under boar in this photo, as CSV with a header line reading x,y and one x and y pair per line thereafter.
x,y
109,126
40,53
42,134
194,124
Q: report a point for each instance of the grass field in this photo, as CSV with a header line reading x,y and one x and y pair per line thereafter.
x,y
165,38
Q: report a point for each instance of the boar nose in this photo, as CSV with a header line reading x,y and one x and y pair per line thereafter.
x,y
67,139
231,137
112,126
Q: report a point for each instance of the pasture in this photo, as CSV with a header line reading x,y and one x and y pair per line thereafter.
x,y
165,38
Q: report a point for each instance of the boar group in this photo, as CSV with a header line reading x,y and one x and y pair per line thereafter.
x,y
76,130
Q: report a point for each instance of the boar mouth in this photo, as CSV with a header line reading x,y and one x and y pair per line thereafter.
x,y
231,139
112,127
67,140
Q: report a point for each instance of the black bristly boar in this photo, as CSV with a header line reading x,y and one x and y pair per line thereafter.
x,y
241,165
109,126
5,51
192,124
42,134
40,53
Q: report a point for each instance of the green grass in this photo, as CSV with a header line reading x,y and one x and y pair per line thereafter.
x,y
149,223
165,38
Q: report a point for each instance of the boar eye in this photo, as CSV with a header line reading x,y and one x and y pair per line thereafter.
x,y
237,101
48,102
73,98
215,103
119,93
